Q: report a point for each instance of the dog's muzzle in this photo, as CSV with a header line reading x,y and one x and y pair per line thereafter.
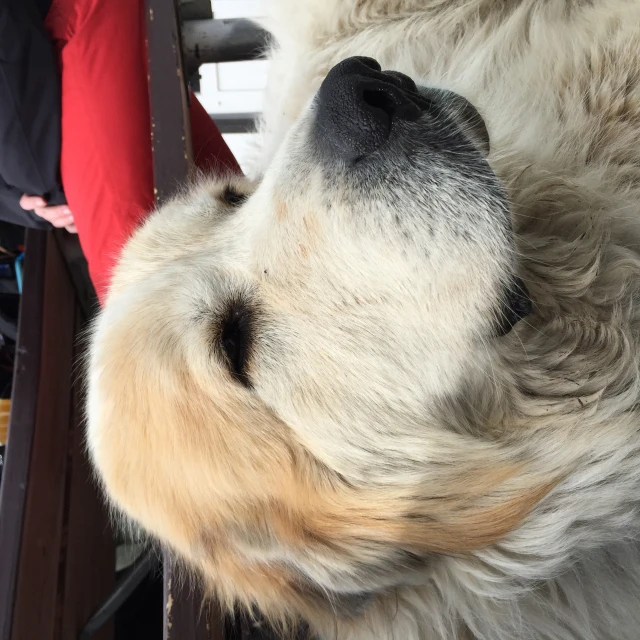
x,y
358,106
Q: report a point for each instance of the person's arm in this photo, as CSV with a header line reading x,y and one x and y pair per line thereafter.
x,y
29,112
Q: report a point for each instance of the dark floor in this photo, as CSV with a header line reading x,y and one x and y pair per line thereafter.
x,y
141,618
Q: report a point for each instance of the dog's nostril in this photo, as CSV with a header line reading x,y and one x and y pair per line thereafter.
x,y
380,101
387,104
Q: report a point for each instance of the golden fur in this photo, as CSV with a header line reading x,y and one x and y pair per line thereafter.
x,y
391,471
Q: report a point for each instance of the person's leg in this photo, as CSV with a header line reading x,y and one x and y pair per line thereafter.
x,y
106,163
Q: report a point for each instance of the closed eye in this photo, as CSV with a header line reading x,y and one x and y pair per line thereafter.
x,y
233,197
236,335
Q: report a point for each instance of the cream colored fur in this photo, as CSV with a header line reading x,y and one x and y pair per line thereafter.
x,y
476,488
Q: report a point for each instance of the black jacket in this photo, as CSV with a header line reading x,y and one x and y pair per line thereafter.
x,y
30,113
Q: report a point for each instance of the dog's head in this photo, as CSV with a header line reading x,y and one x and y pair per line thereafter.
x,y
268,375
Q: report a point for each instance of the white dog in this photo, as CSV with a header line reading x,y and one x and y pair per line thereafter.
x,y
390,384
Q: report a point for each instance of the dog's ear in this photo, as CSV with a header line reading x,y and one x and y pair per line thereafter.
x,y
321,546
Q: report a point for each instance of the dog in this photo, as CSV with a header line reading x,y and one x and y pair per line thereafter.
x,y
388,384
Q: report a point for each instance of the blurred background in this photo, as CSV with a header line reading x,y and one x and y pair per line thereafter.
x,y
232,92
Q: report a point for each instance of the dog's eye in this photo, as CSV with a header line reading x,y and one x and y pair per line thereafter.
x,y
235,340
232,197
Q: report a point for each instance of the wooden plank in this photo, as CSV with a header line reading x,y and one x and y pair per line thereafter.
x,y
184,613
89,560
13,491
169,99
42,535
56,551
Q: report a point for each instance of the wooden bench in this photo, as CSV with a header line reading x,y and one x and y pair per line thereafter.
x,y
57,556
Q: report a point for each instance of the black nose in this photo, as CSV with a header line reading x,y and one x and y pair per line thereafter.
x,y
357,105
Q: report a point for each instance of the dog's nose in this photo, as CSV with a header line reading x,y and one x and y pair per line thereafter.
x,y
357,106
